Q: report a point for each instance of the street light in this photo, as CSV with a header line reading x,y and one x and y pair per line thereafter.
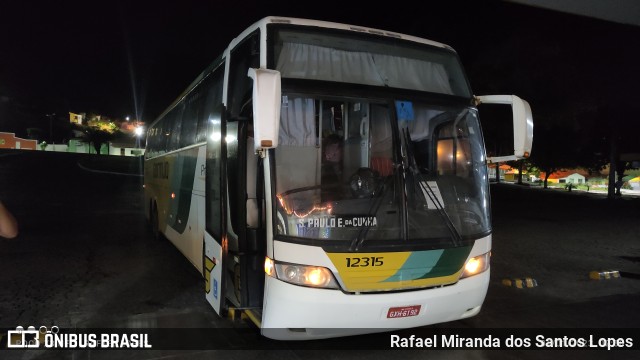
x,y
138,131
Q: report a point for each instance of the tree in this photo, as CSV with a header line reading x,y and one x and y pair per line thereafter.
x,y
34,133
574,137
620,136
98,131
97,137
553,148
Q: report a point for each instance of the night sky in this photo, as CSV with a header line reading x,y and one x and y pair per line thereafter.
x,y
133,58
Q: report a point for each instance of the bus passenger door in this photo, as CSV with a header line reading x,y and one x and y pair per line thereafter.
x,y
215,235
213,265
244,229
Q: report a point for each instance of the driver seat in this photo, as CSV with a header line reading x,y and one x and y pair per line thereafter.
x,y
383,165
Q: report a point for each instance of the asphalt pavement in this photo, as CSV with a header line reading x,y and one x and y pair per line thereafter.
x,y
85,258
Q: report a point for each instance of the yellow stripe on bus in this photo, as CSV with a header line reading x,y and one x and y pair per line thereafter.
x,y
371,271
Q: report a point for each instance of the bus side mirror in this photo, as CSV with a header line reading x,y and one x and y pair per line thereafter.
x,y
266,107
522,125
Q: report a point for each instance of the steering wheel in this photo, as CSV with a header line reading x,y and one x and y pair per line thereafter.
x,y
364,183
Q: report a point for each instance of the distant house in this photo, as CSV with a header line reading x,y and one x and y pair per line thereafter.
x,y
75,118
507,172
125,149
502,170
511,173
567,176
10,141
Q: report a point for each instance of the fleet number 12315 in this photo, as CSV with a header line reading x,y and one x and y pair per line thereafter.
x,y
365,261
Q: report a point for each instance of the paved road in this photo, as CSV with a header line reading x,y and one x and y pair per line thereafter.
x,y
85,258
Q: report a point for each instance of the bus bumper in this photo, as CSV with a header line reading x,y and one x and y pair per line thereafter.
x,y
299,313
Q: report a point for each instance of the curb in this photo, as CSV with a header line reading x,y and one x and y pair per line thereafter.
x,y
520,283
604,275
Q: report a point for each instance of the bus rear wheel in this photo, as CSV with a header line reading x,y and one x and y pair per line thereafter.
x,y
155,222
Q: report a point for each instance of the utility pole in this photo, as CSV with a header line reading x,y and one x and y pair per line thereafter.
x,y
614,157
51,116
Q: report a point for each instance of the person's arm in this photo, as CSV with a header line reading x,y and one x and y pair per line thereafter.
x,y
8,223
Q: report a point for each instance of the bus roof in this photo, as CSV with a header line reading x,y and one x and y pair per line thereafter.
x,y
333,25
262,23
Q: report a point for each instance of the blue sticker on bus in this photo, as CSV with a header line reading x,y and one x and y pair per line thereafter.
x,y
215,288
404,109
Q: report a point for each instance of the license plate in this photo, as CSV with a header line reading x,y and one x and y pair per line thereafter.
x,y
403,311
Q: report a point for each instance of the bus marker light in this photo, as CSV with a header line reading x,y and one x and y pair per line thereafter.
x,y
268,266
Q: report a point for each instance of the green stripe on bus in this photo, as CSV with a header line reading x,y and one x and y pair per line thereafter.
x,y
431,264
451,261
416,265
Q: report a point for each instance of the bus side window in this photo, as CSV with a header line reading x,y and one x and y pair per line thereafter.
x,y
243,56
190,118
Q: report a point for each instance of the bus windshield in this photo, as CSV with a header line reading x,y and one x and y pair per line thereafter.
x,y
369,172
355,58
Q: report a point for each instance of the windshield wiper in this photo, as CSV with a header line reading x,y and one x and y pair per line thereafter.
x,y
357,242
456,238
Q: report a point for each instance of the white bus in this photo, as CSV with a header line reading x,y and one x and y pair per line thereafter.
x,y
329,179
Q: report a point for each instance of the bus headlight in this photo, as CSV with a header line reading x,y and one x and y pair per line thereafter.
x,y
304,275
476,265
